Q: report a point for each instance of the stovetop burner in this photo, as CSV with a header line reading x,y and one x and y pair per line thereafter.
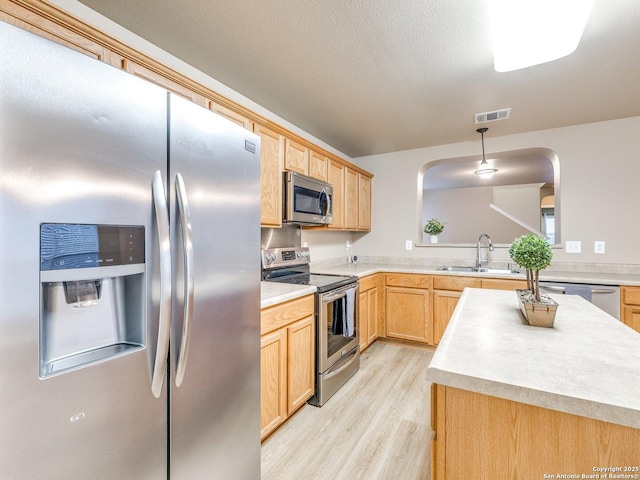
x,y
291,265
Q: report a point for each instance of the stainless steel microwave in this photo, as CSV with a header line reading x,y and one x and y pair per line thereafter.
x,y
307,201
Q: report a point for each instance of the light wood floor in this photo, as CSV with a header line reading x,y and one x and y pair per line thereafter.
x,y
375,428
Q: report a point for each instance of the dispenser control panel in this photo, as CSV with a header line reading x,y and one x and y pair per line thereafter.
x,y
67,246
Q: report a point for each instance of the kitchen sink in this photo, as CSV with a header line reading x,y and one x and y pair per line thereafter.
x,y
499,271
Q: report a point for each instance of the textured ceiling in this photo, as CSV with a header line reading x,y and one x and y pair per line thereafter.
x,y
375,76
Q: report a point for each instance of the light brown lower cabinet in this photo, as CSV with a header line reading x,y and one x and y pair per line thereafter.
x,y
287,361
630,306
368,299
484,437
408,307
448,289
446,293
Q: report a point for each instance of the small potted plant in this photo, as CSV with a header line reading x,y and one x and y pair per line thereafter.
x,y
533,253
433,228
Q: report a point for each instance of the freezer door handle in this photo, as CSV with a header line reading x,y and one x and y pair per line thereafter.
x,y
185,222
164,316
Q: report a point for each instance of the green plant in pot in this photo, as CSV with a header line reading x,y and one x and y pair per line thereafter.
x,y
533,253
433,228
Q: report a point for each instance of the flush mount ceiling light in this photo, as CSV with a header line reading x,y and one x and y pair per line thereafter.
x,y
485,171
527,33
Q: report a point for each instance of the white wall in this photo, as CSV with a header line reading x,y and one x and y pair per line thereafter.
x,y
599,169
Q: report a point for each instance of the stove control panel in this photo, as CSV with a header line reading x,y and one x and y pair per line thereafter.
x,y
285,257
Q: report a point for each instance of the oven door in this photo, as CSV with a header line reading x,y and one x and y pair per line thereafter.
x,y
338,325
307,201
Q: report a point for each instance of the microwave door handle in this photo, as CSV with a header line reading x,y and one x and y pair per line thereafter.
x,y
328,197
164,316
185,222
323,207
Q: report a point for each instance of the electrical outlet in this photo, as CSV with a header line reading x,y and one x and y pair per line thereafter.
x,y
598,246
408,245
573,247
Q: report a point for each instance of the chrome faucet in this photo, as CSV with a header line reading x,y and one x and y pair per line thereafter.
x,y
479,260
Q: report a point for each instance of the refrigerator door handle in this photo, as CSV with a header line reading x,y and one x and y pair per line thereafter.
x,y
185,221
164,316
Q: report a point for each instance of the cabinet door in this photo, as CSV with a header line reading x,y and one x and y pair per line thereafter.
x,y
631,316
351,199
296,157
232,115
407,313
273,381
335,176
318,165
372,298
27,20
301,363
363,299
444,303
271,168
364,202
174,87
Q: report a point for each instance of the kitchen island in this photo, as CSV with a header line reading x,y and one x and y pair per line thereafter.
x,y
514,401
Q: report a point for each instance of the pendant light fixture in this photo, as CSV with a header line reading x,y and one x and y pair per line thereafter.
x,y
485,171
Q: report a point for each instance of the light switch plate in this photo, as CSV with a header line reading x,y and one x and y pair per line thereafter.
x,y
573,247
408,245
598,246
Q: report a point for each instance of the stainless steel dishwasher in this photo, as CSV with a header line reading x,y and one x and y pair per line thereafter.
x,y
605,297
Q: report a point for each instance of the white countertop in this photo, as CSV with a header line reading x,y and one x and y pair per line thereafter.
x,y
588,364
272,293
364,269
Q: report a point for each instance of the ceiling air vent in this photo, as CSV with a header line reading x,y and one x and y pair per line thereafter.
x,y
492,116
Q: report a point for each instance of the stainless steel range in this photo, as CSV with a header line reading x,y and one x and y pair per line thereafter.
x,y
337,316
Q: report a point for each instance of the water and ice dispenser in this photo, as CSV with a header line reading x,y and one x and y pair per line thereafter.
x,y
92,294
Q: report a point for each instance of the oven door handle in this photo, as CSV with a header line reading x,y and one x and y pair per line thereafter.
x,y
330,373
334,297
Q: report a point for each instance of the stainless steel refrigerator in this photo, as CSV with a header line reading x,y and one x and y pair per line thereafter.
x,y
129,281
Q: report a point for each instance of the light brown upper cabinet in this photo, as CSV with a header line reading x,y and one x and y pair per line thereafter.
x,y
350,199
335,177
271,168
318,166
232,115
296,157
25,19
364,202
154,77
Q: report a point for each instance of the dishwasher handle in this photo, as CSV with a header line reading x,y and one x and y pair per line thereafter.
x,y
561,289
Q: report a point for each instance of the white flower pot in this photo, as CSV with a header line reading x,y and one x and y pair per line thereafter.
x,y
433,238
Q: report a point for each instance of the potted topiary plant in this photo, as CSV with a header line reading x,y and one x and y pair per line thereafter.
x,y
533,253
433,228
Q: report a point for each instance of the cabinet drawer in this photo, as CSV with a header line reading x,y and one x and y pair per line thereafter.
x,y
277,316
455,283
367,283
631,295
498,284
409,280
